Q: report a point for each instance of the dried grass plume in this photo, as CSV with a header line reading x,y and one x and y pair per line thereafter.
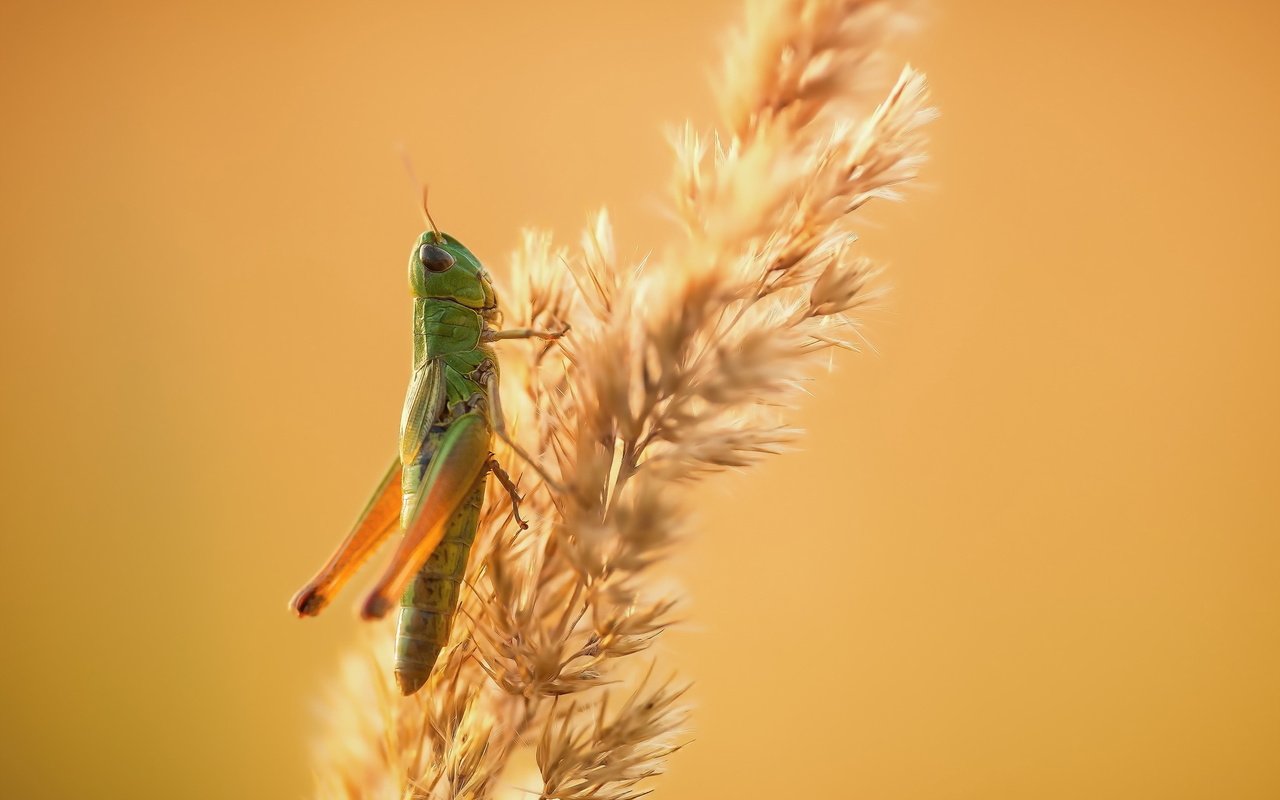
x,y
676,368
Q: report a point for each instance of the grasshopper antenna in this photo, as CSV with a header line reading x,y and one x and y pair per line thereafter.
x,y
426,212
422,189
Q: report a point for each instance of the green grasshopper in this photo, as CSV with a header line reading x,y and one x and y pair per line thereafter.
x,y
435,487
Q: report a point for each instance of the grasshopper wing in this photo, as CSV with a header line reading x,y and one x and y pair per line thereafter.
x,y
422,406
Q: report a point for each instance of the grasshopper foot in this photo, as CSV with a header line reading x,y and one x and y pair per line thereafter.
x,y
308,602
375,607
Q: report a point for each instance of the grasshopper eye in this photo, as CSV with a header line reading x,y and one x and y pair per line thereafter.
x,y
435,259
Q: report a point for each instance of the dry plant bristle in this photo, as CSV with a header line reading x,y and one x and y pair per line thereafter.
x,y
675,368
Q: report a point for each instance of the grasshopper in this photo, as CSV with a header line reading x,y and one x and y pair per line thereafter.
x,y
435,487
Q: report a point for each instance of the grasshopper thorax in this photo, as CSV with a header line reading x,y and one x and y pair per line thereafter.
x,y
442,268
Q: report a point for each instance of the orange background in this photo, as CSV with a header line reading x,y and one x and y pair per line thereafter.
x,y
1029,549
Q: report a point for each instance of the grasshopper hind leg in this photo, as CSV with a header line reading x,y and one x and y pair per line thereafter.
x,y
430,602
374,525
443,491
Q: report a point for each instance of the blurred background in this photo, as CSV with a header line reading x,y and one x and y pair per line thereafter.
x,y
1031,547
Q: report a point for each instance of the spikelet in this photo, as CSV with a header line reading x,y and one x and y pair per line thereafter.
x,y
675,368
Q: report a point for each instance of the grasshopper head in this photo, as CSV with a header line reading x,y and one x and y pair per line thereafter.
x,y
442,268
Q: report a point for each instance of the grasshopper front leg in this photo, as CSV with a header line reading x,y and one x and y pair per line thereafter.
x,y
373,526
500,428
512,491
495,401
491,335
